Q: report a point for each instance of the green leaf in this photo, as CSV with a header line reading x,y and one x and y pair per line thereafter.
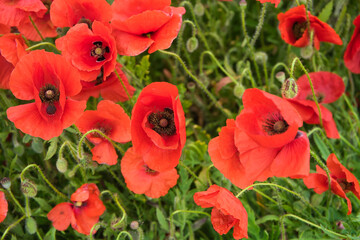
x,y
37,145
50,235
30,225
162,220
43,204
326,12
267,218
324,152
52,148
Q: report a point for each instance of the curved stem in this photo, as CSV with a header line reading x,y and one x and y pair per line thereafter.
x,y
71,148
311,224
280,64
43,44
200,84
191,172
182,211
124,232
114,197
313,131
297,60
92,230
11,226
43,177
16,201
37,30
193,27
260,25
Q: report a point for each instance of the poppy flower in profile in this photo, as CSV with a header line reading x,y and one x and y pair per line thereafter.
x,y
276,2
227,211
3,206
82,214
158,126
91,51
294,29
12,48
110,119
328,88
50,80
342,180
70,12
352,53
134,32
12,13
109,89
141,179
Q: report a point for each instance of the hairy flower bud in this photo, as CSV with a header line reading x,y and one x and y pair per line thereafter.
x,y
289,89
261,57
28,188
61,165
192,44
199,9
239,91
307,52
280,76
134,225
6,183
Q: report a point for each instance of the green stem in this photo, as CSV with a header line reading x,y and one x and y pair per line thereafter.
x,y
27,207
114,197
92,230
43,44
266,75
349,144
296,59
208,174
182,211
43,177
265,196
260,25
191,172
280,64
37,30
11,226
71,148
122,83
200,84
38,234
253,84
309,223
126,233
242,10
16,201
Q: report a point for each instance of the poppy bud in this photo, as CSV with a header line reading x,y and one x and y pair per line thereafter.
x,y
199,9
261,57
307,52
204,79
192,44
30,225
61,165
6,183
239,91
289,88
280,76
134,225
28,188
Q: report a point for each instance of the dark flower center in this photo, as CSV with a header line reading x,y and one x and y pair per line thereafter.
x,y
98,51
275,124
163,122
100,78
150,171
103,129
319,96
87,21
299,29
49,94
345,185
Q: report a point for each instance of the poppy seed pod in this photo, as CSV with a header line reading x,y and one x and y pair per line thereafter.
x,y
28,188
289,88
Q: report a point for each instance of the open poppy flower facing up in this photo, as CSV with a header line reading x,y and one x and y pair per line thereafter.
x,y
294,29
70,12
92,52
134,32
263,142
110,119
158,126
50,80
12,48
3,206
328,88
352,53
82,214
227,211
110,88
342,180
141,179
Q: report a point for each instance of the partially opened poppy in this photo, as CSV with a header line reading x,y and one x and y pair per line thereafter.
x,y
227,211
3,206
141,179
110,119
294,30
158,126
50,80
91,51
328,88
352,53
342,180
82,214
12,48
109,89
70,12
134,32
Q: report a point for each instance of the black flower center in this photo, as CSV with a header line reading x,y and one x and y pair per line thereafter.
x,y
49,94
150,171
299,29
345,185
163,122
87,21
275,124
98,51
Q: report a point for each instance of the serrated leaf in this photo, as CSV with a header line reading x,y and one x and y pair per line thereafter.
x,y
52,148
324,152
162,220
326,12
30,225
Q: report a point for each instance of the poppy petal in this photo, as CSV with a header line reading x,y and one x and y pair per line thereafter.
x,y
104,153
61,216
129,44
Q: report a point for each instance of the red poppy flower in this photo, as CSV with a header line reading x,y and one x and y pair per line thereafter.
x,y
227,211
276,2
112,120
3,206
70,12
82,214
110,89
49,79
328,88
158,126
141,179
4,29
12,48
92,52
12,13
352,53
134,32
342,180
294,31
